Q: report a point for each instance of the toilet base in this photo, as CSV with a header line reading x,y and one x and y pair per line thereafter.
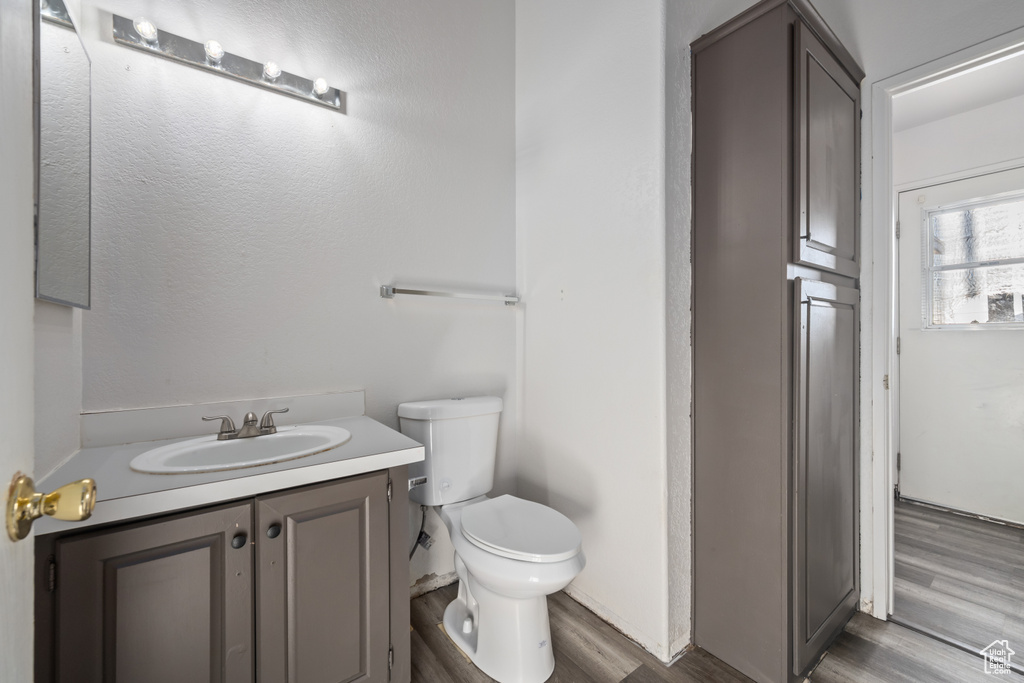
x,y
514,643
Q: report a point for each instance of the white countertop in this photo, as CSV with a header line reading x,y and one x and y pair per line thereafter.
x,y
123,494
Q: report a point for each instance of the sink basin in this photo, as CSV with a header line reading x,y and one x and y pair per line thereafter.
x,y
207,454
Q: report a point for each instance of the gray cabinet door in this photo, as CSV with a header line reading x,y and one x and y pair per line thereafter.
x,y
165,601
827,160
825,558
322,599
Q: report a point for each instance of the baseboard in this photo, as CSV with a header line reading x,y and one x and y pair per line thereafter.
x,y
611,619
431,582
962,513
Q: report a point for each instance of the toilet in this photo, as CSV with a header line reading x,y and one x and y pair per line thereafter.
x,y
510,553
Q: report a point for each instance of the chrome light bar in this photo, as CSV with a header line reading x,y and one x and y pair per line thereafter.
x,y
55,12
211,57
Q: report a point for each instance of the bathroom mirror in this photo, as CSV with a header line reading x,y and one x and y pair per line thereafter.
x,y
63,231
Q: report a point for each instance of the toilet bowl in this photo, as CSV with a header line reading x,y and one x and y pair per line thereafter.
x,y
500,617
510,553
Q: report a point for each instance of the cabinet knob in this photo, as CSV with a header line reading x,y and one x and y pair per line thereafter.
x,y
238,541
72,502
273,531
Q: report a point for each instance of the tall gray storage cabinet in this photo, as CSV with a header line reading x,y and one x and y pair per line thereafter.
x,y
775,320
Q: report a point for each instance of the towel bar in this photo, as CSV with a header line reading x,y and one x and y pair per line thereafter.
x,y
389,292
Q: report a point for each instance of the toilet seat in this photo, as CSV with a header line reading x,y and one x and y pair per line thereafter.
x,y
520,530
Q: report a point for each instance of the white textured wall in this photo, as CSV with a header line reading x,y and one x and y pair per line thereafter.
x,y
678,319
975,139
240,237
16,289
590,173
58,384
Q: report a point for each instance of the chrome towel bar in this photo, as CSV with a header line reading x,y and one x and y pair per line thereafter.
x,y
389,292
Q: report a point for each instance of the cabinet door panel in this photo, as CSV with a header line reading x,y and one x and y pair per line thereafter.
x,y
827,160
322,602
825,501
164,601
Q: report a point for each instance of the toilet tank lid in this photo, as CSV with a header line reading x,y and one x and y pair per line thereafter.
x,y
447,408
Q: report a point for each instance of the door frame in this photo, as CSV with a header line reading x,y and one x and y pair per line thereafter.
x,y
880,384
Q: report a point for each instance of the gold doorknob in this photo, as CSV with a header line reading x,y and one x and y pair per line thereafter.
x,y
72,502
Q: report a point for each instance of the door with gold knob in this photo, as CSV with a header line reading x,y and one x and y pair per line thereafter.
x,y
16,313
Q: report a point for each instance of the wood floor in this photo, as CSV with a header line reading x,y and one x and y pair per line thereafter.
x,y
589,650
959,578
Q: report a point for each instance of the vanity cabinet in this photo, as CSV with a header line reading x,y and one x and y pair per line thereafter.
x,y
307,584
776,112
163,600
322,583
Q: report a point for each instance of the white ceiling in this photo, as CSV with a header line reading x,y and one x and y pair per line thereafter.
x,y
963,92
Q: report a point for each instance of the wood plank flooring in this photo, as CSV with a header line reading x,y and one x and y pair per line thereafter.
x,y
959,578
874,651
586,649
589,650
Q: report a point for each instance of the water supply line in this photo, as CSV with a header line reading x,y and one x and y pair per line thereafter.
x,y
419,536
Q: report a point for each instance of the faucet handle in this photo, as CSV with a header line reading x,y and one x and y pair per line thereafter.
x,y
227,425
267,423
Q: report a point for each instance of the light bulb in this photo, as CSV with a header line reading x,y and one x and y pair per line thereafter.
x,y
320,87
146,29
271,71
214,51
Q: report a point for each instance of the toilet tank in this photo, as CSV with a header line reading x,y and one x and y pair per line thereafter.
x,y
460,439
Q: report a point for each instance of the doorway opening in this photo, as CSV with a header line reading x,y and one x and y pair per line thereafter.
x,y
949,325
958,543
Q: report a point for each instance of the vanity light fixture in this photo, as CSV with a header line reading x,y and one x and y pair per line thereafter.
x,y
214,51
271,71
145,28
142,34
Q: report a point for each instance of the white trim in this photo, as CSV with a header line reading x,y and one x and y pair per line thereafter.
x,y
877,517
988,169
877,506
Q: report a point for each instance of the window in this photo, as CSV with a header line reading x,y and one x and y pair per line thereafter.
x,y
974,264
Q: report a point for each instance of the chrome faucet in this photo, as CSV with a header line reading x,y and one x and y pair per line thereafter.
x,y
249,426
